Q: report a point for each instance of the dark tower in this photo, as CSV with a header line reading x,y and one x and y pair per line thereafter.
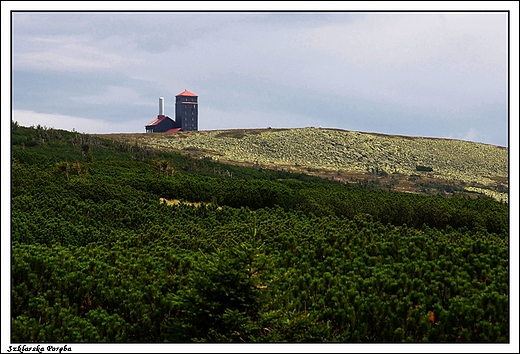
x,y
186,111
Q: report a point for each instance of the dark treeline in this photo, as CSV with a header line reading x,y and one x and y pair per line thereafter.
x,y
269,256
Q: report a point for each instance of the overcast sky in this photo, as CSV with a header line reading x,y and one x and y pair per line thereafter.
x,y
439,74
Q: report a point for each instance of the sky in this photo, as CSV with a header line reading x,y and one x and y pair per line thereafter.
x,y
433,74
440,74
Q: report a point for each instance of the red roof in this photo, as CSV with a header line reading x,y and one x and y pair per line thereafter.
x,y
157,120
187,93
174,130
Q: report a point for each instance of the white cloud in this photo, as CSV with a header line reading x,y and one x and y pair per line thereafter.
x,y
425,60
113,95
411,38
70,123
65,53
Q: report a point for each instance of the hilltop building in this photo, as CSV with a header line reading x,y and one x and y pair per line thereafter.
x,y
186,110
186,115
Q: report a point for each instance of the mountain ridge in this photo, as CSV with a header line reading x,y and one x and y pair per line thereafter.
x,y
404,163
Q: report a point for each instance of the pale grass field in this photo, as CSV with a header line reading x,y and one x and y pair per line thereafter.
x,y
481,165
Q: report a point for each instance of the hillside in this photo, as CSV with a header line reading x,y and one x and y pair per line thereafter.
x,y
112,242
349,156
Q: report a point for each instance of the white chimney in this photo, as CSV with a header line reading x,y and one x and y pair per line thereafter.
x,y
161,106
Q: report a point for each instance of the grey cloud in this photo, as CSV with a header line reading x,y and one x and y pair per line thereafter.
x,y
347,70
68,94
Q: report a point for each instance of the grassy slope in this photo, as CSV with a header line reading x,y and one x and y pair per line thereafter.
x,y
343,154
95,258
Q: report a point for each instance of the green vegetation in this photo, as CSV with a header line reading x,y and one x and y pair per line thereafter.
x,y
251,255
350,151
